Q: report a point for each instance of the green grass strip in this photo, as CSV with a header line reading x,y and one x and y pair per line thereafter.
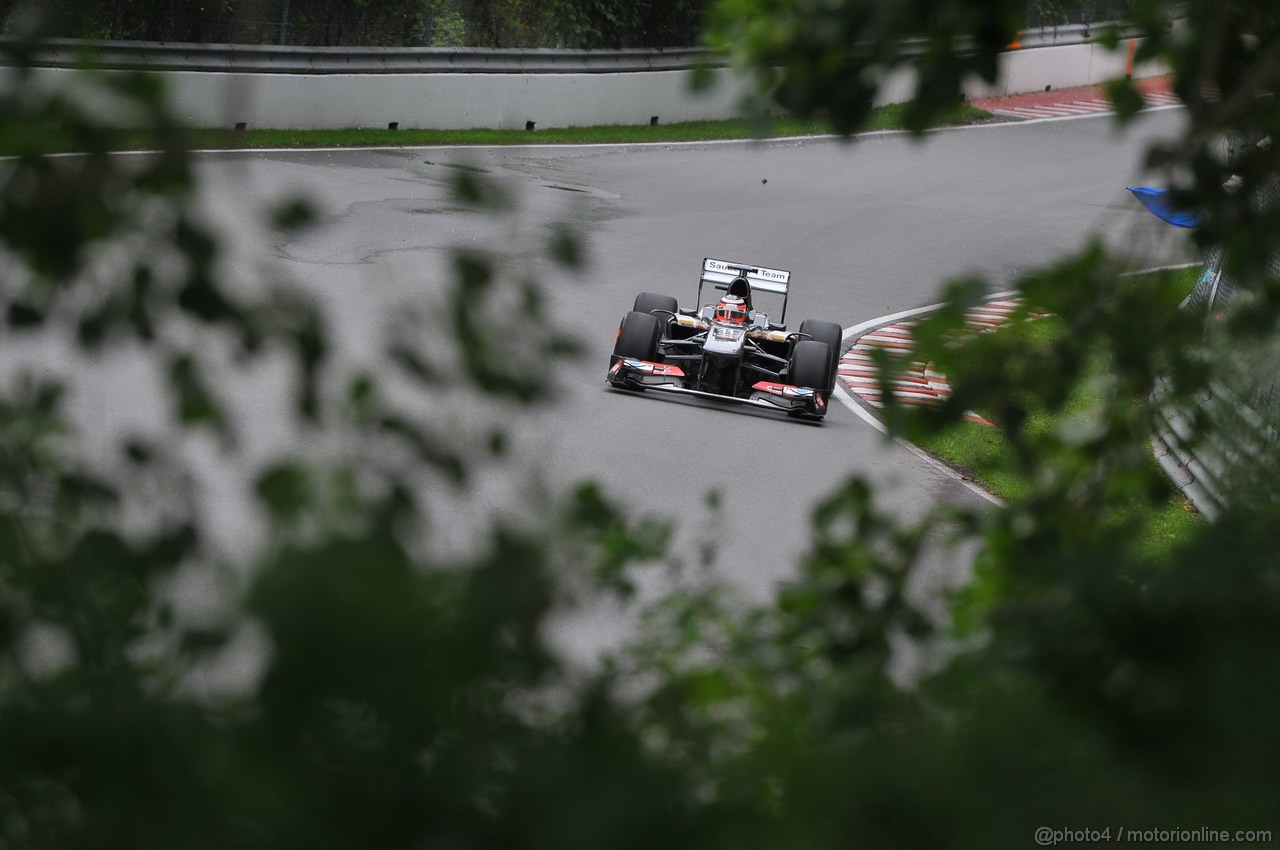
x,y
884,118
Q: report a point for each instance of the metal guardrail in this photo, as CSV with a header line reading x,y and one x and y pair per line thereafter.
x,y
1193,467
1211,466
270,59
1067,34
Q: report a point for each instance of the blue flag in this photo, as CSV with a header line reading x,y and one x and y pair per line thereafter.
x,y
1160,202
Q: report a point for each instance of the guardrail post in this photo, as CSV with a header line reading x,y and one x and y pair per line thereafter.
x,y
284,24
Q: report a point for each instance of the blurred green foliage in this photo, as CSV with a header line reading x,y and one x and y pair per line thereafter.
x,y
386,698
830,59
590,24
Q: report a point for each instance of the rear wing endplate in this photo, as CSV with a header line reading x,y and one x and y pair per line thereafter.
x,y
720,273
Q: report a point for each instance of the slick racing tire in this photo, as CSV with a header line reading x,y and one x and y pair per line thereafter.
x,y
638,337
647,302
810,364
831,334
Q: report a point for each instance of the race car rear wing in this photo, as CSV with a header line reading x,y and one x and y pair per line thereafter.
x,y
720,273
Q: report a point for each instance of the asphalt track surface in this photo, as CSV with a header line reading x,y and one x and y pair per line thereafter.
x,y
867,228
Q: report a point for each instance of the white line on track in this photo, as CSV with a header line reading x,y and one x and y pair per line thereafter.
x,y
918,452
1040,111
866,415
788,140
1073,109
1030,121
859,330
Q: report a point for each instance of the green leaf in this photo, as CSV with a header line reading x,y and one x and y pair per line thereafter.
x,y
286,489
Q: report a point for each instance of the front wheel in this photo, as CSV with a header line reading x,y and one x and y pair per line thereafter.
x,y
832,334
810,365
637,338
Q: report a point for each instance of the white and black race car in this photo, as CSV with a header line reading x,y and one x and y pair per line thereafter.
x,y
726,349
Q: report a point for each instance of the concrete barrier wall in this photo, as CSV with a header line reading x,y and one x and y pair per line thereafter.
x,y
506,101
447,101
1062,67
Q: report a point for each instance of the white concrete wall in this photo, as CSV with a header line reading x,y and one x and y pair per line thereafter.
x,y
507,101
1061,67
445,101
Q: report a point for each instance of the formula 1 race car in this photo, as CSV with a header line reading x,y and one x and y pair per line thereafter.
x,y
726,349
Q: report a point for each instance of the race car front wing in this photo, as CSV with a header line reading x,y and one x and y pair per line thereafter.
x,y
631,373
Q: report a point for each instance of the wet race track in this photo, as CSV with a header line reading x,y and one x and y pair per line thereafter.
x,y
866,229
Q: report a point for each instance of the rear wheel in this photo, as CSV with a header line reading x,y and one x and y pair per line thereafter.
x,y
831,334
637,337
647,302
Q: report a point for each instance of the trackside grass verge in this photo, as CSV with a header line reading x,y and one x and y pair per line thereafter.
x,y
982,453
884,118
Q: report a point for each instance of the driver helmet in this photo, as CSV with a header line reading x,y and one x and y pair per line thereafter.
x,y
732,310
